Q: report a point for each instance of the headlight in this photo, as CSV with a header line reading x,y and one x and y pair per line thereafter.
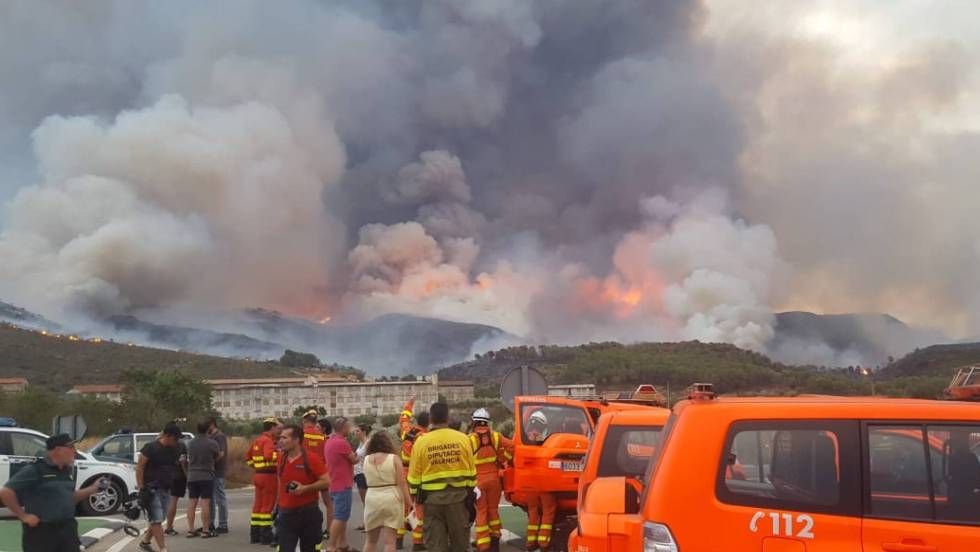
x,y
657,538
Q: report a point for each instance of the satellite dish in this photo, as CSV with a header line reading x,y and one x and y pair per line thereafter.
x,y
520,382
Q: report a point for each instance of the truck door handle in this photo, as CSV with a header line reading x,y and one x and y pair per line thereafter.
x,y
908,545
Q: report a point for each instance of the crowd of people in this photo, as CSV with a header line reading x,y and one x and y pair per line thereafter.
x,y
435,484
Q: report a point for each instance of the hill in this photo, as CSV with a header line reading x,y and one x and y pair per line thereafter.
x,y
614,366
25,318
844,339
60,362
935,361
130,328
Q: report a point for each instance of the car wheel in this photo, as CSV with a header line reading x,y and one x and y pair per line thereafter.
x,y
104,503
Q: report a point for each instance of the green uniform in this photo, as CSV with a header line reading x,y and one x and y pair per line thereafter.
x,y
47,491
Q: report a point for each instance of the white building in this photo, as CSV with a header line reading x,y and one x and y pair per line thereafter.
x,y
244,399
257,398
12,385
106,392
573,390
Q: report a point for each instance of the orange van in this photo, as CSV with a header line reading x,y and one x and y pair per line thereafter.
x,y
555,463
621,449
808,474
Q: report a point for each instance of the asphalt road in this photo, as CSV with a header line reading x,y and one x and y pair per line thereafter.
x,y
240,508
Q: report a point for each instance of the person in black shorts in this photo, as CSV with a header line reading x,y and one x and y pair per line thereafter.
x,y
178,488
202,454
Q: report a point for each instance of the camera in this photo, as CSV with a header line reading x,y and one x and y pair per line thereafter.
x,y
292,486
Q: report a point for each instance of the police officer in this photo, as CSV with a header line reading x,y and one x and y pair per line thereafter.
x,y
43,496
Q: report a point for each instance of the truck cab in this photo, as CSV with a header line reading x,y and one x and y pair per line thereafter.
x,y
811,474
551,438
613,479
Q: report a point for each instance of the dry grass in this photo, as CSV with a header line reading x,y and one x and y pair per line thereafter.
x,y
238,473
88,442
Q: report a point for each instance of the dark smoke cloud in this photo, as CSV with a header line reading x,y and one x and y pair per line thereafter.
x,y
565,171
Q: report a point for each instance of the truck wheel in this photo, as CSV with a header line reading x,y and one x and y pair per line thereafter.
x,y
104,503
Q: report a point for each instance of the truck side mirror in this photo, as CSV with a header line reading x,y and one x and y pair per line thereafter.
x,y
607,495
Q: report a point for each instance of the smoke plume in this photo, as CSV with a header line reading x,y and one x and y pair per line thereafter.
x,y
564,171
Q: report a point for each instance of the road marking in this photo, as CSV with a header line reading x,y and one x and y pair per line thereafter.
x,y
127,539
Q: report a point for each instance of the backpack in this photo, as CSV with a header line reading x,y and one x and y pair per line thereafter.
x,y
486,439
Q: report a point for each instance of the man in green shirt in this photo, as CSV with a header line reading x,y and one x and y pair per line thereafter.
x,y
43,496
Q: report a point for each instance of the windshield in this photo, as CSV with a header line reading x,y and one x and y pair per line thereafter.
x,y
540,421
627,451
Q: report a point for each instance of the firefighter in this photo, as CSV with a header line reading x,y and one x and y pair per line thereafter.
x,y
492,452
409,433
541,507
442,475
263,457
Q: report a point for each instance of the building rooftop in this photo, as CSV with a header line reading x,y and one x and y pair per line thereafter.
x,y
97,389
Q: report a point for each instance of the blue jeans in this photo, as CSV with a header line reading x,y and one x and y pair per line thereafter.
x,y
220,503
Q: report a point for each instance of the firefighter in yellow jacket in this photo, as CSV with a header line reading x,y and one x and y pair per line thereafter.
x,y
409,431
442,476
492,451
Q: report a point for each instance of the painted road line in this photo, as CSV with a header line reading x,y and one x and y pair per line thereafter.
x,y
90,538
142,527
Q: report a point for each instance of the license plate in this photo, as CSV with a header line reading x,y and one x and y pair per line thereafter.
x,y
573,466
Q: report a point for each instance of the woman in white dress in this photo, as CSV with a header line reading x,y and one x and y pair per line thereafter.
x,y
388,499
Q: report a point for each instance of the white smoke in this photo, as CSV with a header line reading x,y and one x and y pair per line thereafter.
x,y
172,204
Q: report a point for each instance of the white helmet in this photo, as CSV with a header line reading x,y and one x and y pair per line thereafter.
x,y
481,415
538,417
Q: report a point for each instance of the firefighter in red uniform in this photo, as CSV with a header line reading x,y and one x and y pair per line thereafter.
x,y
263,457
408,433
492,452
541,507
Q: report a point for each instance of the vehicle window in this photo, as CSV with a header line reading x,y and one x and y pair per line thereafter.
x,y
956,472
898,473
142,440
120,446
540,421
25,444
791,465
627,451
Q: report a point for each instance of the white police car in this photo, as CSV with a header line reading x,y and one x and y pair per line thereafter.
x,y
125,446
20,446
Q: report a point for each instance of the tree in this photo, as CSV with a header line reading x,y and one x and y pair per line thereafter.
x,y
152,398
295,359
388,420
300,410
366,419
